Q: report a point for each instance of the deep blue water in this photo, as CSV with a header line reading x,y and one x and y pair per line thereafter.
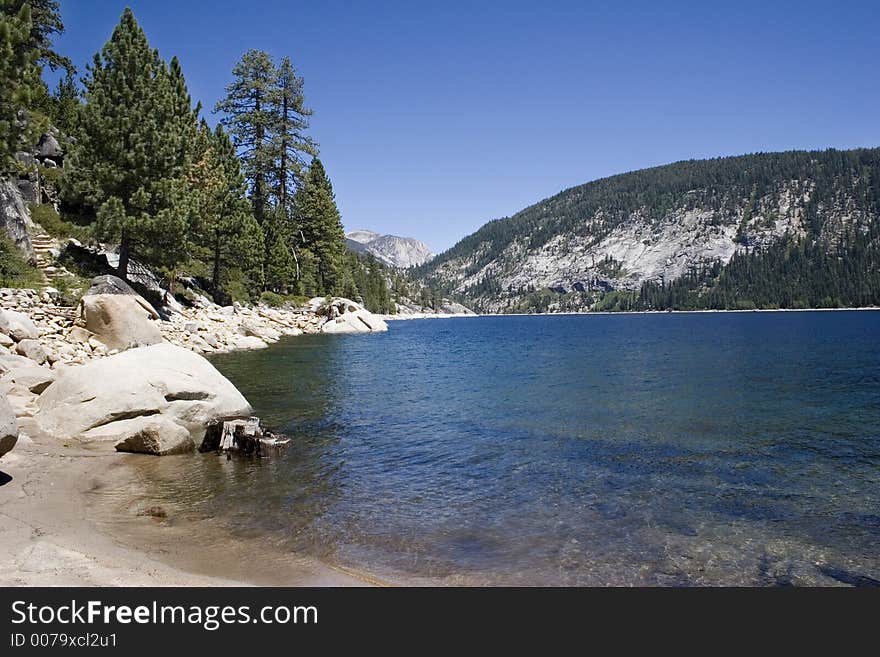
x,y
623,449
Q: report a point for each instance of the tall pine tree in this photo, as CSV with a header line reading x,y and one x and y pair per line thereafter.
x,y
133,148
290,143
248,116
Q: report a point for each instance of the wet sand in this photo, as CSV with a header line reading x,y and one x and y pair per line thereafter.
x,y
75,517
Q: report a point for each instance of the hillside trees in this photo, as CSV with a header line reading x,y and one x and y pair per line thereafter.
x,y
45,22
243,208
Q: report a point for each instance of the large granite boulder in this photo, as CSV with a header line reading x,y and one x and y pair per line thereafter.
x,y
8,426
95,401
17,326
120,321
48,147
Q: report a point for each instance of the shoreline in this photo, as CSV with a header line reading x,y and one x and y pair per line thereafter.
x,y
74,517
68,514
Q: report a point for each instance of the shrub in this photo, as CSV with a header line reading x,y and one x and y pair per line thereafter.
x,y
276,300
45,215
272,299
14,268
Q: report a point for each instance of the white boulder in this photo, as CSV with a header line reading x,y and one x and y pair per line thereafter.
x,y
147,434
159,380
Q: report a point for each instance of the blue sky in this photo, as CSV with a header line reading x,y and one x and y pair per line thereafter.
x,y
435,117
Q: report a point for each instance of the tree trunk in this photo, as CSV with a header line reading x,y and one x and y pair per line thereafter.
x,y
124,256
258,200
215,277
282,168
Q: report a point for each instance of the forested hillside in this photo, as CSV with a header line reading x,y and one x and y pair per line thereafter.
x,y
793,230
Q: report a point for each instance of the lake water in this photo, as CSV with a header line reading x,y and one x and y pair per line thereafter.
x,y
728,448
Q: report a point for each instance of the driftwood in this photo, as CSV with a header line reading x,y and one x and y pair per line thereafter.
x,y
243,436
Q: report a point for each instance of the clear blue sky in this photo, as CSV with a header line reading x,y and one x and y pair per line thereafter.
x,y
434,118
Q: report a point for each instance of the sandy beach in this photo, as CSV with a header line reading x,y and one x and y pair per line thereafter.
x,y
54,522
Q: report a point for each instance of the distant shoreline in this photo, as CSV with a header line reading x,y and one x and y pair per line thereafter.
x,y
633,312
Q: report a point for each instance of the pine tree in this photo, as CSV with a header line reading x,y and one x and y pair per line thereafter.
x,y
18,70
66,104
133,147
320,229
290,144
247,115
45,22
225,233
280,266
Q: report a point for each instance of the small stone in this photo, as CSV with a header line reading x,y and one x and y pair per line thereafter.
x,y
79,335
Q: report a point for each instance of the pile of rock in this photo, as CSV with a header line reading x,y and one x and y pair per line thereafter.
x,y
59,332
216,329
24,362
114,372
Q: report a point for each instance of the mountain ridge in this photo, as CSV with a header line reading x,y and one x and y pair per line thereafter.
x,y
617,235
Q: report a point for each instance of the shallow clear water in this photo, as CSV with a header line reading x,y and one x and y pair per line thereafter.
x,y
604,449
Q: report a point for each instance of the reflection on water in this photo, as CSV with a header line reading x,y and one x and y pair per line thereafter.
x,y
636,449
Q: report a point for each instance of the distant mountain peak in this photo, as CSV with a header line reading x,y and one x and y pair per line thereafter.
x,y
392,250
363,236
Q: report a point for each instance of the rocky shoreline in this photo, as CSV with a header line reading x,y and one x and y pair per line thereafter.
x,y
78,385
116,372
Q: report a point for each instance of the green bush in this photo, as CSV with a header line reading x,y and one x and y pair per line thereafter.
x,y
272,299
277,300
238,291
14,268
45,215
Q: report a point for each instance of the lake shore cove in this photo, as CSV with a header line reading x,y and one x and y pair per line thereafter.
x,y
115,373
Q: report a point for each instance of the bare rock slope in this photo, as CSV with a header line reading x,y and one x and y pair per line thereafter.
x,y
394,251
